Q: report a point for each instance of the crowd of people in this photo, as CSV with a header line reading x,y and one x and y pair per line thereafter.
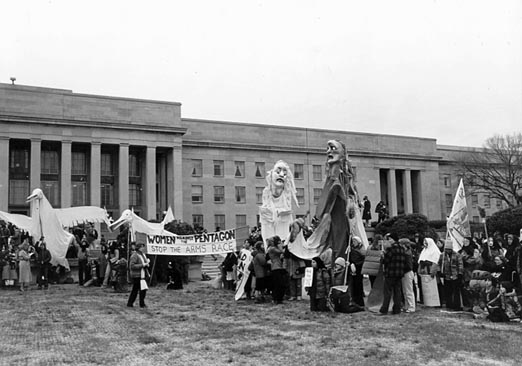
x,y
484,277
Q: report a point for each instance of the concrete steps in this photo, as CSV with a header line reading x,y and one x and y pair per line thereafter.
x,y
210,265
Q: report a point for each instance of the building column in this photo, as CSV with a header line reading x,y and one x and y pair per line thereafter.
x,y
4,173
408,198
36,161
422,191
123,177
150,183
175,182
95,174
392,193
65,174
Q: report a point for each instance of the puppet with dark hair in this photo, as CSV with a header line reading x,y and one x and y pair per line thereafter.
x,y
337,206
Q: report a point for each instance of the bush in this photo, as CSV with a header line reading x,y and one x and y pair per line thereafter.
x,y
437,224
506,221
405,225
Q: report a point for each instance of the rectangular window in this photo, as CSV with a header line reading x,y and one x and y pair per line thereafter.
x,y
134,194
220,222
19,160
240,220
134,165
197,221
107,194
239,171
197,167
300,195
197,194
487,201
499,203
447,181
298,171
260,170
449,203
78,163
474,200
219,194
79,193
51,190
317,195
50,162
317,171
106,164
259,195
219,168
240,194
18,191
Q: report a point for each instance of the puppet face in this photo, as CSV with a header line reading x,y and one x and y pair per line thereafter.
x,y
279,174
334,152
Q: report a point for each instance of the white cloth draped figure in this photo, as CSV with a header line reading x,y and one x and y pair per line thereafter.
x,y
275,214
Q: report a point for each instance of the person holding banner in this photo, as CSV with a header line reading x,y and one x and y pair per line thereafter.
x,y
139,264
320,288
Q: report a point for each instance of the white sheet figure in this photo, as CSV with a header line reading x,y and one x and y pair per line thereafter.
x,y
275,214
50,223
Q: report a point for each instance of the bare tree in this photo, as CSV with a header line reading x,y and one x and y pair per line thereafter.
x,y
496,169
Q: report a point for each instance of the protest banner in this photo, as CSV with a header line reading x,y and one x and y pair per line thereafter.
x,y
244,260
218,242
458,220
309,276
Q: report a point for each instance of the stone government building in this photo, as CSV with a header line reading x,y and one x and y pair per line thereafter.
x,y
120,152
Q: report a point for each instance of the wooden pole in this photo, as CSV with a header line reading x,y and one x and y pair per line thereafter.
x,y
152,271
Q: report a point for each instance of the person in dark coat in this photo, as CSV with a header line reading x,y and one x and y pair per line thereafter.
x,y
43,260
367,211
395,262
175,279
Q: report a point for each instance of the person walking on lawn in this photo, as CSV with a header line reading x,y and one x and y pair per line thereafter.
x,y
138,272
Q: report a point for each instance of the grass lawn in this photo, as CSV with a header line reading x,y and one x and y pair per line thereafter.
x,y
199,325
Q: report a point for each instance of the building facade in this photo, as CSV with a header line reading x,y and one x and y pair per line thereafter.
x,y
121,153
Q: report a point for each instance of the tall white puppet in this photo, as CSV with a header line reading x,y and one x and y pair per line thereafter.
x,y
275,214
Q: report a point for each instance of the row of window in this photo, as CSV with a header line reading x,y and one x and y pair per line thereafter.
x,y
259,168
241,197
474,202
50,184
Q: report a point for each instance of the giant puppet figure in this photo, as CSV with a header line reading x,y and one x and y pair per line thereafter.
x,y
275,214
336,208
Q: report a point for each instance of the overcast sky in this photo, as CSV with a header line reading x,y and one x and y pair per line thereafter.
x,y
450,70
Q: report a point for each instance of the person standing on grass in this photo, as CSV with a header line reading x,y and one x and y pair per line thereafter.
x,y
452,270
277,271
138,269
321,284
260,270
43,260
24,266
395,264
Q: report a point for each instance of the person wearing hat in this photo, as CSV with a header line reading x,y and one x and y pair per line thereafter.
x,y
452,270
339,271
139,264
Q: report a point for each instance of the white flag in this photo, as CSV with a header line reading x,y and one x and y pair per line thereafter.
x,y
458,221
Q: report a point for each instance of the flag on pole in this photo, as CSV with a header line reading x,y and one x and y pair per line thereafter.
x,y
458,221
